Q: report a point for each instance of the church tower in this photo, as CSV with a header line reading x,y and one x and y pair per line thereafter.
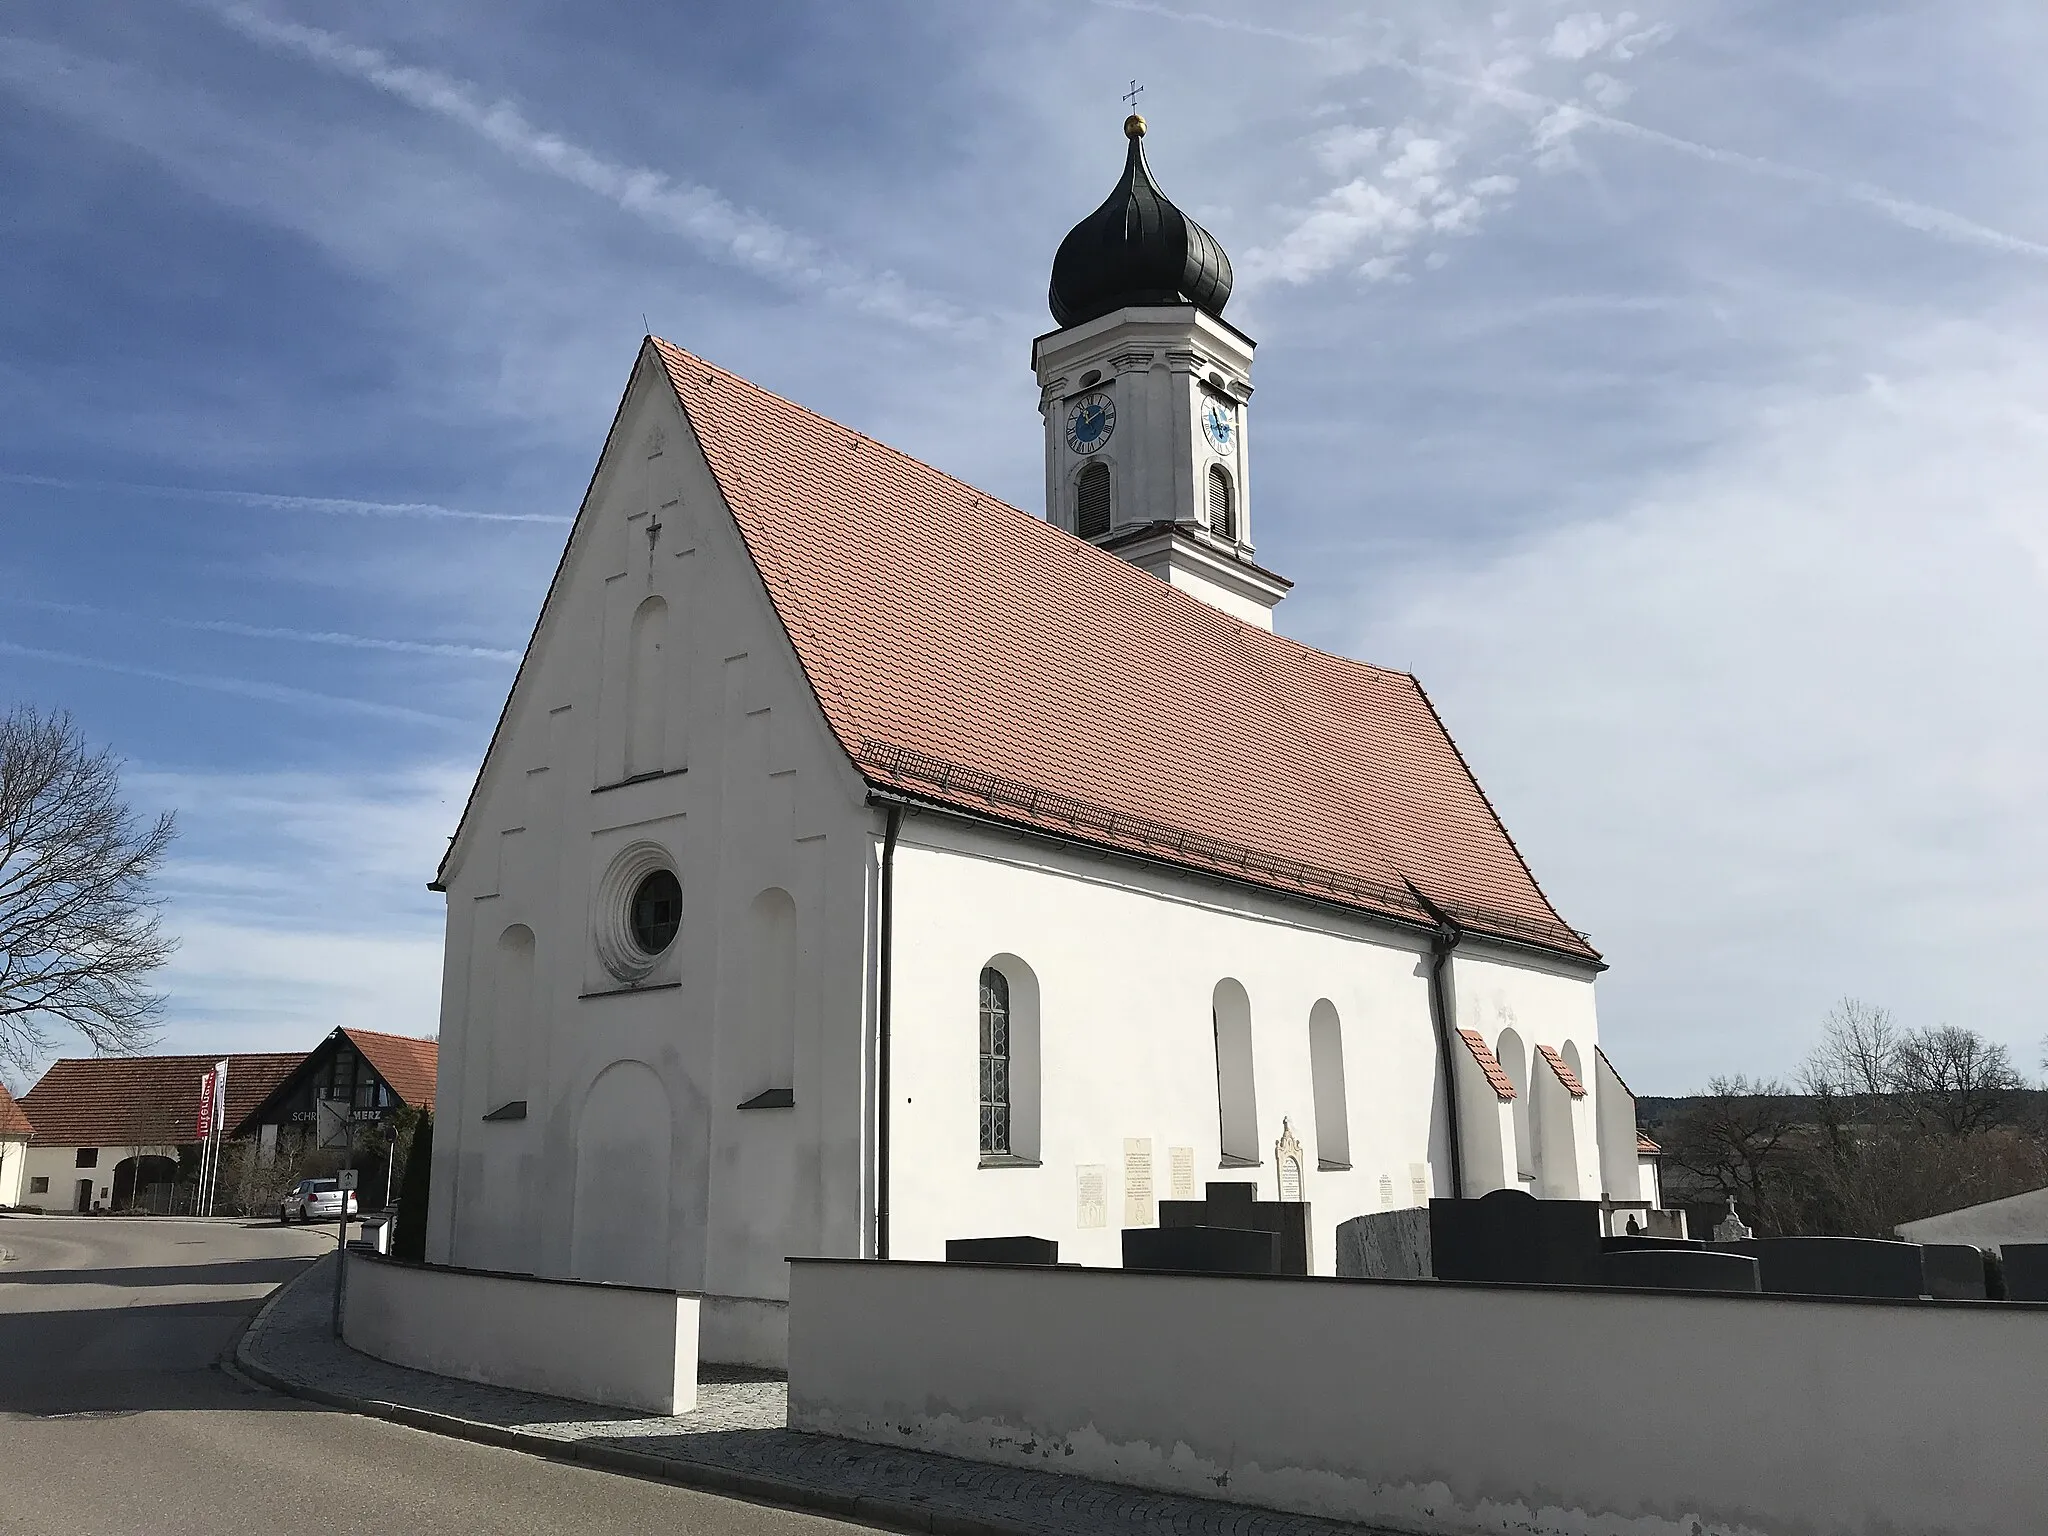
x,y
1144,389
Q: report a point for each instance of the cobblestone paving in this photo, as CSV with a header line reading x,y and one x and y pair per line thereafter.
x,y
740,1425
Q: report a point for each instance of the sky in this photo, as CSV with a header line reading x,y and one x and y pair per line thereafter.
x,y
1664,387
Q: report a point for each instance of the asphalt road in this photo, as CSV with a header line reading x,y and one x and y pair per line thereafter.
x,y
115,1417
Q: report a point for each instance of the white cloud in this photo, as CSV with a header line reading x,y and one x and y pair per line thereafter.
x,y
1588,32
1770,732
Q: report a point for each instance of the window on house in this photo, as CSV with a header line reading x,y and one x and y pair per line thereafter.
x,y
995,1063
1222,514
39,1185
88,1157
1091,502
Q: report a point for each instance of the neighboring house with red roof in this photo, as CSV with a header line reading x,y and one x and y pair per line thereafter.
x,y
367,1077
15,1132
860,862
108,1129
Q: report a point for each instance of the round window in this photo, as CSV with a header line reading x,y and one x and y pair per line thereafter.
x,y
657,911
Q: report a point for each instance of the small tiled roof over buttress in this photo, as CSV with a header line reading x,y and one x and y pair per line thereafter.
x,y
13,1123
970,654
1564,1071
407,1063
1497,1078
110,1101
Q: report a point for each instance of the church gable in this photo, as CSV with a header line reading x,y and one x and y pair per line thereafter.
x,y
968,653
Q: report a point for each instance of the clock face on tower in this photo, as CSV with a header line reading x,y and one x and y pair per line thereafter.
x,y
1218,425
1090,421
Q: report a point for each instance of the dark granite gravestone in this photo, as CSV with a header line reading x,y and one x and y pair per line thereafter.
x,y
1639,1240
1836,1266
2026,1271
1679,1269
1002,1250
1201,1250
1514,1238
1385,1245
1954,1271
1239,1207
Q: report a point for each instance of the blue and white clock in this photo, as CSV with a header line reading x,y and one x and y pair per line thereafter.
x,y
1219,425
1090,421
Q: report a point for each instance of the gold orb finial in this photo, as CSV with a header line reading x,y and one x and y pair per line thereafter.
x,y
1134,127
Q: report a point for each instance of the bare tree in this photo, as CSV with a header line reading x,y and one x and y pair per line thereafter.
x,y
1739,1141
1957,1082
79,933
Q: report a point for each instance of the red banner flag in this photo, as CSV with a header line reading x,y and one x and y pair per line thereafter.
x,y
205,1125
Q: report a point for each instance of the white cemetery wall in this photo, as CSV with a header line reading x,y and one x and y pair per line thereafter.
x,y
618,1345
1434,1407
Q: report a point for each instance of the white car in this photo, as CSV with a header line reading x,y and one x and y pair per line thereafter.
x,y
315,1200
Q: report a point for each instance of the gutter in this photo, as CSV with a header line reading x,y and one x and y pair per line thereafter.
x,y
884,988
1442,945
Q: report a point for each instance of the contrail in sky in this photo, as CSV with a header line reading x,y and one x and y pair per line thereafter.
x,y
340,506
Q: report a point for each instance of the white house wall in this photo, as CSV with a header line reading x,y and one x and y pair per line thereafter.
x,y
632,1162
1126,962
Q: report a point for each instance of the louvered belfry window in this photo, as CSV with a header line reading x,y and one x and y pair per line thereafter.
x,y
995,1063
1222,515
1091,502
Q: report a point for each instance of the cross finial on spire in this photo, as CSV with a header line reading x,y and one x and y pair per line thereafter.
x,y
1131,96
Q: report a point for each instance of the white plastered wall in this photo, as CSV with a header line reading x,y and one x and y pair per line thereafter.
x,y
60,1166
1525,1003
13,1169
1127,960
633,1162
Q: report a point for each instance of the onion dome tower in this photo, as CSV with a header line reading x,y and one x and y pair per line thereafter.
x,y
1144,390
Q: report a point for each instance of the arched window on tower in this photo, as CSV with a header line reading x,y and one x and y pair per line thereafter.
x,y
1222,511
1091,502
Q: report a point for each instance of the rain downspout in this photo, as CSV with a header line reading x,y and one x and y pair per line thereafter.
x,y
883,985
1442,944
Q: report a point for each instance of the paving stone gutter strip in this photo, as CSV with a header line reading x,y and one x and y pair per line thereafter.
x,y
736,1442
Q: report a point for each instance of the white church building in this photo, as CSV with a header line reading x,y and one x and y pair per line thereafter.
x,y
860,862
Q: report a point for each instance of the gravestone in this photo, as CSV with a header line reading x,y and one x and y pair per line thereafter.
x,y
1239,1206
1002,1250
1385,1245
1201,1250
2026,1271
1954,1271
1679,1269
1732,1230
1513,1238
1837,1266
1641,1240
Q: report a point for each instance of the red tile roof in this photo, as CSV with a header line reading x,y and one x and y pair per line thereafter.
x,y
1565,1074
12,1121
970,653
111,1101
1496,1075
407,1063
1644,1144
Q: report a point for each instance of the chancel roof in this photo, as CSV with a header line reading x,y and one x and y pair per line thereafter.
x,y
970,654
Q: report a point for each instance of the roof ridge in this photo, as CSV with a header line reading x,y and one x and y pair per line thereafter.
x,y
672,352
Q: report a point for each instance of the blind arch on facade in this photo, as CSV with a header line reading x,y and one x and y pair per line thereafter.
x,y
1237,1108
1222,508
1091,502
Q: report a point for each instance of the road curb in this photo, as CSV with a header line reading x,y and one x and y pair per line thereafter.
x,y
868,1509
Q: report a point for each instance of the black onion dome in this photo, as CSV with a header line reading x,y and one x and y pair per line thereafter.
x,y
1137,249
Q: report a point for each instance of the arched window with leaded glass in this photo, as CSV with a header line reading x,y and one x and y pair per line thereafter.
x,y
995,1063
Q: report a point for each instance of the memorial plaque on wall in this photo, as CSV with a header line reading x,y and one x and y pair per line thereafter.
x,y
1139,1209
1418,1183
1387,1191
1091,1195
1181,1172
